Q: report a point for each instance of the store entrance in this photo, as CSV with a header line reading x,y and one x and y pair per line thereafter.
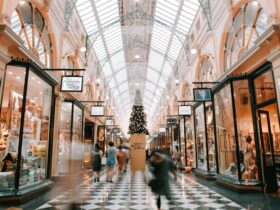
x,y
266,150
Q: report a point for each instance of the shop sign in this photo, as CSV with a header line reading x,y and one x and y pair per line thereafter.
x,y
71,84
97,111
171,121
202,94
185,110
116,131
162,130
109,122
155,135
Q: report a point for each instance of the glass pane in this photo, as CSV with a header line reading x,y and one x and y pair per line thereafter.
x,y
210,136
200,138
190,144
247,148
225,132
36,131
10,124
76,144
64,138
275,132
264,87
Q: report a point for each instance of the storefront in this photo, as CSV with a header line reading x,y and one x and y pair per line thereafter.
x,y
88,143
27,107
247,129
186,152
71,126
205,138
101,137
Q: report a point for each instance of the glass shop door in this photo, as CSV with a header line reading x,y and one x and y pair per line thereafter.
x,y
266,149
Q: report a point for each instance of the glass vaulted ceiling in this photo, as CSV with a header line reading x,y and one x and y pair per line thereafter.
x,y
169,24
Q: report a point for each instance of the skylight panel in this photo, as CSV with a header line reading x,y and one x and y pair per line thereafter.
x,y
123,87
107,70
152,75
150,86
162,82
158,92
112,84
167,69
173,4
121,76
80,2
148,94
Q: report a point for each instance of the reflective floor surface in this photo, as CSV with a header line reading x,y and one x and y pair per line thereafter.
x,y
132,192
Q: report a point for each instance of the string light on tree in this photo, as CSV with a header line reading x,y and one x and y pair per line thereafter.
x,y
138,117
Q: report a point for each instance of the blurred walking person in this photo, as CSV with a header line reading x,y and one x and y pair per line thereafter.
x,y
161,164
96,161
111,161
121,158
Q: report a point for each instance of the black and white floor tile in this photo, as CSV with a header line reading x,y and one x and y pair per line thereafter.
x,y
131,193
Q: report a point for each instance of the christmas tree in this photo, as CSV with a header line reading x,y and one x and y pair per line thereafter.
x,y
138,117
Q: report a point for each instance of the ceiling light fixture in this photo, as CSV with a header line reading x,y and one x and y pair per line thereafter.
x,y
176,81
83,49
255,3
137,56
193,51
167,97
22,3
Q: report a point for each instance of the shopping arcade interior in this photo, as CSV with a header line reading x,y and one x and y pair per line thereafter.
x,y
158,59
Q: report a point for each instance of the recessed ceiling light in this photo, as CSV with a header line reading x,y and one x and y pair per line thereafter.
x,y
167,97
193,51
83,49
10,72
22,2
18,77
137,56
255,3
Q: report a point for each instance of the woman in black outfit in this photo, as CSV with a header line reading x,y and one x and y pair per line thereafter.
x,y
161,164
96,161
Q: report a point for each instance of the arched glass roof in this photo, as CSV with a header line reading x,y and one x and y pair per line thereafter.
x,y
137,43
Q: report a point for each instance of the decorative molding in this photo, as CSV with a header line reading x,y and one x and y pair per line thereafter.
x,y
4,58
275,56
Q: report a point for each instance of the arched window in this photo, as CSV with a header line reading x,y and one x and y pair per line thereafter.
x,y
205,72
28,23
248,24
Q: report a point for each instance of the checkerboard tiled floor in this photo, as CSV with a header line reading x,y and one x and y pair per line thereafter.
x,y
131,192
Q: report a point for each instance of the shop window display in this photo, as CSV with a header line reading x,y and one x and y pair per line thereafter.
x,y
274,132
247,148
64,138
264,87
77,134
225,132
10,124
70,138
32,135
248,24
210,136
190,145
200,137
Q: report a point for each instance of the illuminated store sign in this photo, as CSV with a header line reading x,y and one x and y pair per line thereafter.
x,y
185,110
71,84
202,94
97,111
